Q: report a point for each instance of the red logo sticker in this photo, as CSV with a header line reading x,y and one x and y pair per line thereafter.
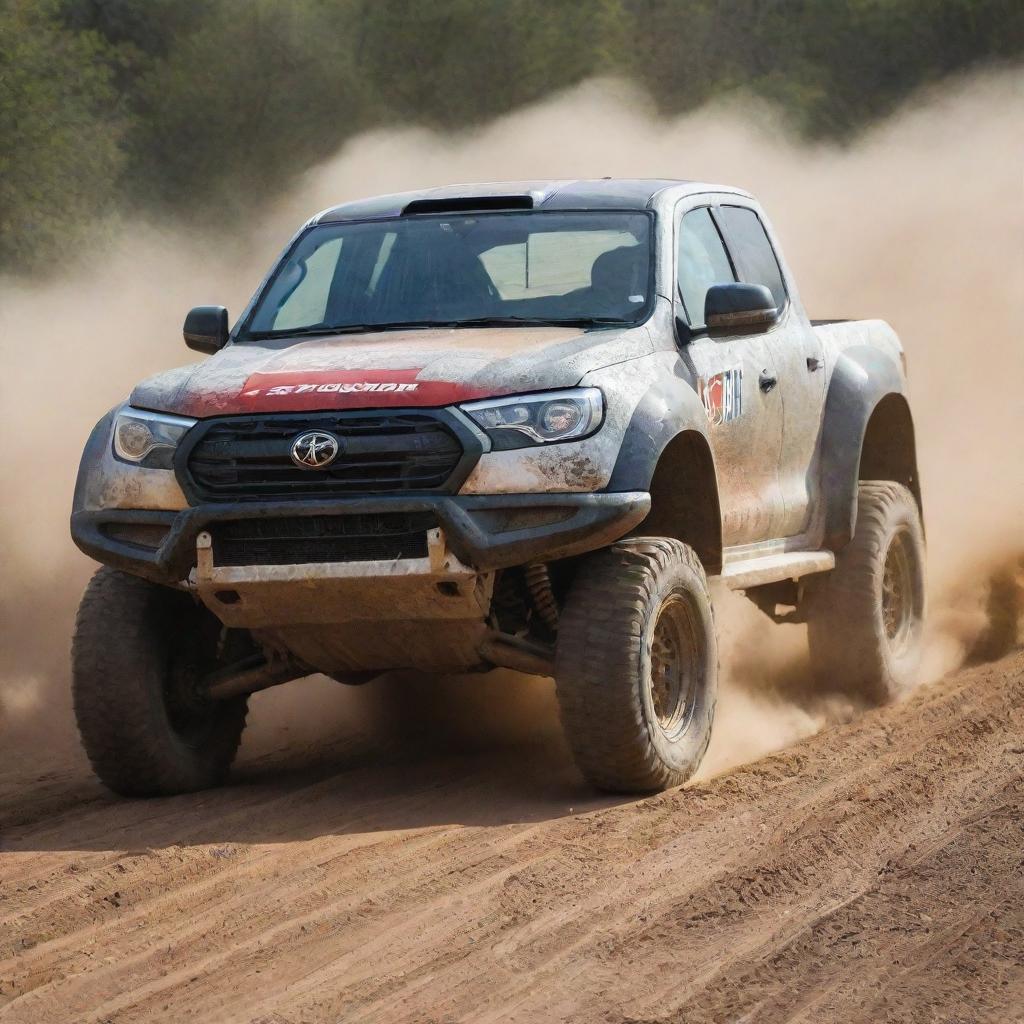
x,y
722,395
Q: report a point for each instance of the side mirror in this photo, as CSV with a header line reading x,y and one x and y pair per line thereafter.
x,y
739,309
206,328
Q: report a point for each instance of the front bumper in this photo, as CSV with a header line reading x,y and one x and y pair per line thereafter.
x,y
485,532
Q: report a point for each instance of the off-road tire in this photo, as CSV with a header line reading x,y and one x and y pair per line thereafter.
x,y
133,640
859,645
624,600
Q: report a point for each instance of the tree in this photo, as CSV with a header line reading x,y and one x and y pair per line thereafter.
x,y
61,130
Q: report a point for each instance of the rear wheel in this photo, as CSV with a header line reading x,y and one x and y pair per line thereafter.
x,y
636,666
866,617
138,654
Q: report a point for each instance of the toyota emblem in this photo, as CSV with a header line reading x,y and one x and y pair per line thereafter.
x,y
315,450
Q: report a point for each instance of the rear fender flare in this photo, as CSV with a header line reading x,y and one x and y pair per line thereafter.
x,y
864,378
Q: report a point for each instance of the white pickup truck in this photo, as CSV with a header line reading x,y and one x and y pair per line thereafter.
x,y
491,425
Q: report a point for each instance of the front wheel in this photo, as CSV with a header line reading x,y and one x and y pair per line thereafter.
x,y
636,666
138,654
865,619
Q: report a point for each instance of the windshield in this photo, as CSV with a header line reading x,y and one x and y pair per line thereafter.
x,y
592,267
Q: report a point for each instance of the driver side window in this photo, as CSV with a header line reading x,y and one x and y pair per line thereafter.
x,y
701,262
304,288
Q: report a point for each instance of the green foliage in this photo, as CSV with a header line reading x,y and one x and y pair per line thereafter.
x,y
254,93
834,67
459,62
61,132
200,107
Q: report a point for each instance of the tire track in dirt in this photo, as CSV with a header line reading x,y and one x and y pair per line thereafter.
x,y
872,872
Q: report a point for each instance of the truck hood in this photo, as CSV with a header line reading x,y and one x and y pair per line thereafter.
x,y
429,367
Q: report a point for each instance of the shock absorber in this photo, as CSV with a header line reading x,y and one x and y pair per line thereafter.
x,y
538,580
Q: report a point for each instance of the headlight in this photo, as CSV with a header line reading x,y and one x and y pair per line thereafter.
x,y
538,419
148,438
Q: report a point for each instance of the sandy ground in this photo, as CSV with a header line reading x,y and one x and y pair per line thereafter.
x,y
872,872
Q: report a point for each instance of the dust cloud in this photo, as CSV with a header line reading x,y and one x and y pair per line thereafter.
x,y
921,223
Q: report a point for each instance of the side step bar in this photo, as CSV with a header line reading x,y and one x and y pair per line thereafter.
x,y
787,565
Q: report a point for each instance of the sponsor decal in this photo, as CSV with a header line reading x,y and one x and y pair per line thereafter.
x,y
341,387
350,389
722,395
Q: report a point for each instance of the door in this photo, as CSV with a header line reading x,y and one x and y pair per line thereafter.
x,y
744,420
798,357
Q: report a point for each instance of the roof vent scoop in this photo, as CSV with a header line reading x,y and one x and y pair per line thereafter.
x,y
468,204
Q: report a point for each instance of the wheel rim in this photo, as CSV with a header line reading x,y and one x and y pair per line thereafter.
x,y
898,604
674,668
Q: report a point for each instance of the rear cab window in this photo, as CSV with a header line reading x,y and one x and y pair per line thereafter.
x,y
752,250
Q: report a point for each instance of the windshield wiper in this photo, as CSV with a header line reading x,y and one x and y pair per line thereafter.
x,y
398,325
320,331
514,321
308,332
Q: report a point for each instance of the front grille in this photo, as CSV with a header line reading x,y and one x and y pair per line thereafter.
x,y
241,458
298,540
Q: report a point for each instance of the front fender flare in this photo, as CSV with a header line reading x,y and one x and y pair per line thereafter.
x,y
667,409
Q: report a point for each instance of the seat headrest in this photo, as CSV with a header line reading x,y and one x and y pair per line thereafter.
x,y
616,270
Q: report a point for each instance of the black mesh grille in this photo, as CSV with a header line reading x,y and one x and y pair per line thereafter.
x,y
241,459
305,539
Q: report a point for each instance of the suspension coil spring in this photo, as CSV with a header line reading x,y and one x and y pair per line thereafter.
x,y
538,580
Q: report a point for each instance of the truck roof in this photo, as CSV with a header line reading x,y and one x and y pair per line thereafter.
x,y
568,194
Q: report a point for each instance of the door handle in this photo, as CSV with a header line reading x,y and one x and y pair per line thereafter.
x,y
766,381
813,363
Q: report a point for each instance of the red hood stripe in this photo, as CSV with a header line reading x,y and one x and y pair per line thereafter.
x,y
346,389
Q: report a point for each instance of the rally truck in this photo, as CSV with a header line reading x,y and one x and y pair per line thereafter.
x,y
515,425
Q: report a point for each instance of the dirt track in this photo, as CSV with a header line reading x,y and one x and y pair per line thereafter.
x,y
873,872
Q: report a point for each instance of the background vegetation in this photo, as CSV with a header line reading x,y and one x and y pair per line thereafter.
x,y
201,107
